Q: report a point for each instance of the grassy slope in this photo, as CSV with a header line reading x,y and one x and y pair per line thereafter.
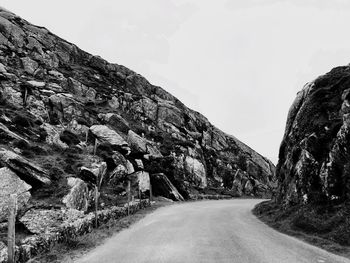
x,y
325,226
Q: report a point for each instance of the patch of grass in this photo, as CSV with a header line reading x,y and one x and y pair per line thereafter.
x,y
72,249
323,225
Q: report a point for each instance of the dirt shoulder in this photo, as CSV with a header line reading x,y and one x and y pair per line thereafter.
x,y
75,248
325,227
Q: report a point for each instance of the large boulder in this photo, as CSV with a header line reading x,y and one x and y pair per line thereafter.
x,y
115,121
29,172
53,135
93,172
161,186
10,183
105,134
78,195
140,144
144,180
169,113
196,169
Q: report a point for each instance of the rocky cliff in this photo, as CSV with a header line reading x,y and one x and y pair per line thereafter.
x,y
70,120
314,157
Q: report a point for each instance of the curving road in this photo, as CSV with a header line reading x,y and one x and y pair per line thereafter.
x,y
207,231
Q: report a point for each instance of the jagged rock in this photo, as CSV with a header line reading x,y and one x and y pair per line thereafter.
x,y
130,167
3,252
118,173
105,134
168,112
142,145
81,91
10,183
163,187
54,87
197,170
93,172
29,65
119,159
65,106
70,90
36,107
36,84
139,164
77,198
12,96
146,106
115,121
6,132
53,135
248,188
12,31
27,171
78,129
144,180
2,68
314,155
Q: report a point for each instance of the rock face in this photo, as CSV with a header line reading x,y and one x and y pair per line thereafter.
x,y
28,171
163,187
78,196
108,135
314,158
10,183
57,101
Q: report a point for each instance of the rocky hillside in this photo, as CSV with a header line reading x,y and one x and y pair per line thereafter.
x,y
313,172
314,158
70,120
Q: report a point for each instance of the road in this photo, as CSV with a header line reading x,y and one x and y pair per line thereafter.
x,y
206,231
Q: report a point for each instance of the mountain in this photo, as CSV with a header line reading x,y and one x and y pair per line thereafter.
x,y
70,120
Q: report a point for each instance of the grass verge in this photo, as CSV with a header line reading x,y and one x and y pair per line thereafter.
x,y
74,248
327,227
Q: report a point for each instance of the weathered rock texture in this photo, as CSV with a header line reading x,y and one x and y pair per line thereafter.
x,y
314,158
10,183
67,114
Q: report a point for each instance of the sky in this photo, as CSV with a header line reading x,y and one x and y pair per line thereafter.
x,y
238,62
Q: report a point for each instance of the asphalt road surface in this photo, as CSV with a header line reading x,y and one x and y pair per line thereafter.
x,y
206,231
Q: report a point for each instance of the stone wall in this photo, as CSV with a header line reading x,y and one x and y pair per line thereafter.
x,y
36,244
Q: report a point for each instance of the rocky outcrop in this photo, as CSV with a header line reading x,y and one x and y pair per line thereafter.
x,y
59,90
314,154
27,171
78,196
105,134
71,121
163,187
94,171
144,180
10,183
142,145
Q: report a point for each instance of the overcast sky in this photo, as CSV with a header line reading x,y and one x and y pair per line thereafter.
x,y
238,62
